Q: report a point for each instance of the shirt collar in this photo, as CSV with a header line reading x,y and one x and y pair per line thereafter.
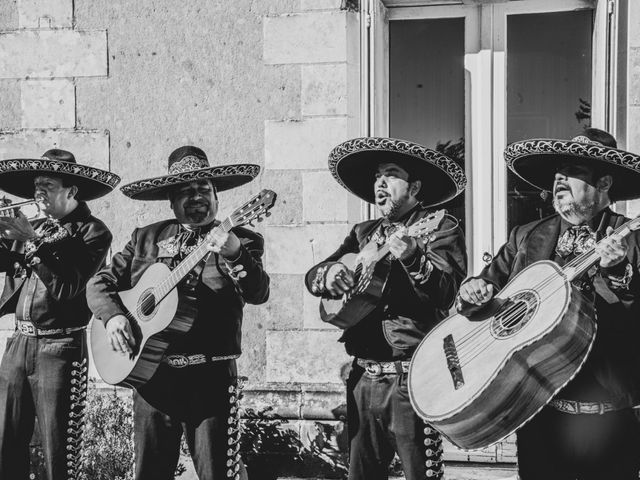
x,y
595,223
82,211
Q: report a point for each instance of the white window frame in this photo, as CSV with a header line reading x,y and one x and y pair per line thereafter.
x,y
485,94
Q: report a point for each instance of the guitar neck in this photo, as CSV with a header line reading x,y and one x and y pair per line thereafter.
x,y
579,265
188,264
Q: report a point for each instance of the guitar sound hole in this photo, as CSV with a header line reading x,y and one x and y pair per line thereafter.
x,y
514,314
147,304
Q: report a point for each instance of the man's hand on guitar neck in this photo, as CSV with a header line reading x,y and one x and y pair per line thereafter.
x,y
339,280
612,249
224,243
402,247
120,334
476,291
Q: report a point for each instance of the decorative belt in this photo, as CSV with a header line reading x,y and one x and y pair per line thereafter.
x,y
574,407
181,361
30,330
380,368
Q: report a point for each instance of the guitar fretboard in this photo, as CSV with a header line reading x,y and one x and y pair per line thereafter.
x,y
191,260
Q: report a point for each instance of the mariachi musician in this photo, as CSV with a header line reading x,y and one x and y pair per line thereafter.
x,y
403,180
48,263
588,431
194,390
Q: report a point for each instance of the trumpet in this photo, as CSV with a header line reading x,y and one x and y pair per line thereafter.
x,y
12,208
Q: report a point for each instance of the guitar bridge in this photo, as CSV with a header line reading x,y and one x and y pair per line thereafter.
x,y
453,362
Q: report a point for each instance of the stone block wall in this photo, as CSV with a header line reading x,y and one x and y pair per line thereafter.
x,y
320,42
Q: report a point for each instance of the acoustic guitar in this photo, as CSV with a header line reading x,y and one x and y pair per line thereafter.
x,y
370,277
479,379
155,311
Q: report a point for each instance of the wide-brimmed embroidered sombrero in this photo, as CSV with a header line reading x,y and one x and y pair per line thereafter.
x,y
189,164
536,161
17,175
354,165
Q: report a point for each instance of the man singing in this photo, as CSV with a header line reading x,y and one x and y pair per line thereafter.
x,y
403,180
588,431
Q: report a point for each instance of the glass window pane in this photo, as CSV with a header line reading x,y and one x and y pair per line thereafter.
x,y
548,91
426,87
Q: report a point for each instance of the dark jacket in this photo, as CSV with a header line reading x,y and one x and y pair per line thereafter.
x,y
47,286
409,307
218,297
611,370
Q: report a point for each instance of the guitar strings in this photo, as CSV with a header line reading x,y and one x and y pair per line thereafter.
x,y
157,294
513,314
577,263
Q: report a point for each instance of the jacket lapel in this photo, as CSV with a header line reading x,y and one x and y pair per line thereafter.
x,y
542,241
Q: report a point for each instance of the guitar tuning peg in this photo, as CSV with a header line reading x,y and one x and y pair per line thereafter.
x,y
260,219
267,214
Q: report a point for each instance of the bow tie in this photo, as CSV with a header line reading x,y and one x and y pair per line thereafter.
x,y
385,231
576,239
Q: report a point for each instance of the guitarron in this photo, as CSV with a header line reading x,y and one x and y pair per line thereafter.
x,y
479,379
154,311
370,277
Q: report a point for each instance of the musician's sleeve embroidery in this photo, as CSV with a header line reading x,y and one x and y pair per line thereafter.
x,y
49,232
423,271
236,272
319,281
621,282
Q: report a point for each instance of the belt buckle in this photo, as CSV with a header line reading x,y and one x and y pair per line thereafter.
x,y
373,368
27,328
178,361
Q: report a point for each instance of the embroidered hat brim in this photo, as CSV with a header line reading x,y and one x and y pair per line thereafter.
x,y
536,161
224,177
17,176
354,165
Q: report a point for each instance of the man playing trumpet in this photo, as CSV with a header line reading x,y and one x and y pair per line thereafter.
x,y
43,372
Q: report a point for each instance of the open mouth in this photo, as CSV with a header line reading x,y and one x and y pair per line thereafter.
x,y
560,188
381,197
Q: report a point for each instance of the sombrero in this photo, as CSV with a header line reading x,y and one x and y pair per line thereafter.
x,y
189,164
17,175
354,165
536,161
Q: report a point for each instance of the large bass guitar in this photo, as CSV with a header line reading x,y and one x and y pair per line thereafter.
x,y
370,277
155,312
479,379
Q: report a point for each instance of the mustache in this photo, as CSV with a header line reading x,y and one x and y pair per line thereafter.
x,y
196,203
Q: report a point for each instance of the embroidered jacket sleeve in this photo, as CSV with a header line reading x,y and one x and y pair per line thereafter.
x,y
247,271
316,276
438,266
103,288
66,266
622,286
